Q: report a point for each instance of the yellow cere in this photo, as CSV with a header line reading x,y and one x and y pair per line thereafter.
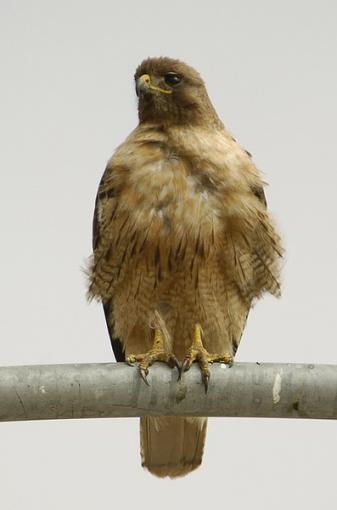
x,y
146,78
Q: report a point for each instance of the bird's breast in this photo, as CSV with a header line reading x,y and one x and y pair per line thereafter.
x,y
166,197
175,196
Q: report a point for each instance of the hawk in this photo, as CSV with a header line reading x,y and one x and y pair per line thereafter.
x,y
182,246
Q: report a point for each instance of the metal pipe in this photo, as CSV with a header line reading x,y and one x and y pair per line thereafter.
x,y
49,392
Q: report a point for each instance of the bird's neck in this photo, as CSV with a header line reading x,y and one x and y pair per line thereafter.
x,y
194,115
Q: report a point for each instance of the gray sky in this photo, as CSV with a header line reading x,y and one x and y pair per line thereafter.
x,y
67,100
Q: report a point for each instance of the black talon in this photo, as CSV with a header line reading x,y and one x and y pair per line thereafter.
x,y
175,363
205,380
143,373
185,366
180,372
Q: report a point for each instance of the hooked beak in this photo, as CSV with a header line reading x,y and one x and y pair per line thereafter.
x,y
144,84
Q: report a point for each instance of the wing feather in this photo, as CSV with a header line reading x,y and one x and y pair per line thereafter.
x,y
116,344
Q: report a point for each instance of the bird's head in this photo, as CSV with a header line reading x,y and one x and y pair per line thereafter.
x,y
170,91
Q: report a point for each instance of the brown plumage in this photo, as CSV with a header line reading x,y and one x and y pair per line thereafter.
x,y
183,244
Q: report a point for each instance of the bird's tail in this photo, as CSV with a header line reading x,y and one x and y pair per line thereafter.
x,y
172,445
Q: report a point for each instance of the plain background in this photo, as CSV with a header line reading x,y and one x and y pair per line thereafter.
x,y
67,100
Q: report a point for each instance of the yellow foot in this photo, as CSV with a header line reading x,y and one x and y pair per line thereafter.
x,y
197,352
158,352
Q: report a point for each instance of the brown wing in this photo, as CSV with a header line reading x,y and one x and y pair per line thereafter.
x,y
259,193
107,305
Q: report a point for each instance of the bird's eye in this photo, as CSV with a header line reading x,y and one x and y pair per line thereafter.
x,y
172,79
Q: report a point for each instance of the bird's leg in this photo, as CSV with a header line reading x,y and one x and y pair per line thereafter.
x,y
197,352
158,352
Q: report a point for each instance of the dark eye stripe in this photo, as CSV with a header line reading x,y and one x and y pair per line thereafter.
x,y
172,78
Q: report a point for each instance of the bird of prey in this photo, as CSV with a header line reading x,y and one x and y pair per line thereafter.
x,y
182,246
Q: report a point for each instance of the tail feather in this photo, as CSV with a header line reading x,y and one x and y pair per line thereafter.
x,y
172,446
